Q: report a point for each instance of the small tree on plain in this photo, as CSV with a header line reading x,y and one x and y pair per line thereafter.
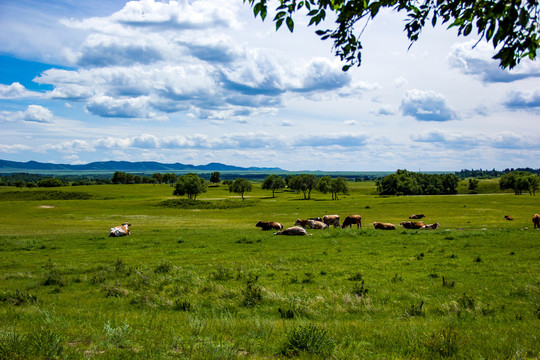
x,y
215,177
273,182
191,185
241,186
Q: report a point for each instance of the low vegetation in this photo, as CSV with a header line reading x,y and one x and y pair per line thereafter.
x,y
197,280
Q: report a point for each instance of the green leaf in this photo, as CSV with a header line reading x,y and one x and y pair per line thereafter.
x,y
490,31
290,23
467,30
279,22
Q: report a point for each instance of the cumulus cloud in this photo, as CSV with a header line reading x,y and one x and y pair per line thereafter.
x,y
15,148
33,113
427,106
341,140
16,90
527,100
476,60
166,57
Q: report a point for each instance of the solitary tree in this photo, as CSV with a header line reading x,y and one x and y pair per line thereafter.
x,y
473,185
191,185
215,177
240,186
273,182
513,27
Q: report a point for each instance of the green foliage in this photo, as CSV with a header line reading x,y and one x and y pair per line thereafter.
x,y
41,344
405,182
240,186
215,177
206,204
308,339
51,182
511,27
520,181
273,182
334,186
304,183
44,195
191,185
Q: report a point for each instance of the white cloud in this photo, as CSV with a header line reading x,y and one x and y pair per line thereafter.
x,y
476,60
427,106
33,113
16,90
526,100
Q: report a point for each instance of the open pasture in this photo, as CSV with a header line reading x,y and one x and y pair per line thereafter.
x,y
202,282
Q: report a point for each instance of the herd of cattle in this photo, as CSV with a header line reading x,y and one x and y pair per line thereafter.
x,y
300,225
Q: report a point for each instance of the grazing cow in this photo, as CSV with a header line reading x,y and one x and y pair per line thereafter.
x,y
352,219
412,224
295,230
384,226
269,225
508,217
331,220
419,216
310,224
122,230
536,221
431,226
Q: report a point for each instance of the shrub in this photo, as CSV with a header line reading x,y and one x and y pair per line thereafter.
x,y
415,310
308,339
117,336
444,343
18,298
42,344
252,293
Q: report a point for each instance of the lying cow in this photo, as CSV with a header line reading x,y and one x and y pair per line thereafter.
x,y
269,225
384,226
508,217
316,219
352,219
431,226
295,230
536,221
122,230
419,216
331,220
310,224
412,224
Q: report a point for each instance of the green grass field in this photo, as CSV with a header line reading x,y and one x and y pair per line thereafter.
x,y
204,283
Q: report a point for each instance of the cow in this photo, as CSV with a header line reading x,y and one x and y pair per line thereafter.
x,y
508,217
295,230
352,219
412,224
419,216
269,225
384,226
121,230
331,220
310,224
431,226
536,221
316,219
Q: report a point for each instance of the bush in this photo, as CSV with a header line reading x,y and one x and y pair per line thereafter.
x,y
308,339
52,182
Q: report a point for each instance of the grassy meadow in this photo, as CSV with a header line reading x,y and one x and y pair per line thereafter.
x,y
202,282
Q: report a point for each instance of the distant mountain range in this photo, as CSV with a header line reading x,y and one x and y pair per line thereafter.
x,y
112,166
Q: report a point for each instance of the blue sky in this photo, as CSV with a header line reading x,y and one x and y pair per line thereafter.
x,y
203,81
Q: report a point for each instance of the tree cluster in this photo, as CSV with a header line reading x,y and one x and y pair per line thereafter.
x,y
520,181
405,182
191,185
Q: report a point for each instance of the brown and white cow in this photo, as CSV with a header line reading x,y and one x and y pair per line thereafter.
x,y
331,220
412,224
121,230
431,226
316,219
384,226
536,221
508,217
269,225
294,230
351,220
310,224
419,216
